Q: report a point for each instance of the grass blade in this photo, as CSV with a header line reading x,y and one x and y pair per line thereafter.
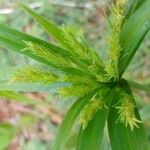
x,y
69,120
9,39
133,33
49,27
121,136
135,4
91,137
22,37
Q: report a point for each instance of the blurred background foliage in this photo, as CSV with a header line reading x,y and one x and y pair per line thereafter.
x,y
85,17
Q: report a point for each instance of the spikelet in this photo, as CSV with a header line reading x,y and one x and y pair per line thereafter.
x,y
75,47
79,90
32,74
41,51
77,80
126,113
89,111
88,56
114,46
80,49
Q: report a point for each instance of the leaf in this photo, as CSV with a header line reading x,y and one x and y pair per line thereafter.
x,y
69,120
22,37
133,33
15,40
91,137
7,132
122,137
49,27
135,4
60,36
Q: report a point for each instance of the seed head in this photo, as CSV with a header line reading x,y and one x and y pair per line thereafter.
x,y
89,111
127,114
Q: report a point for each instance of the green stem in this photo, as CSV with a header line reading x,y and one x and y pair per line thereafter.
x,y
139,86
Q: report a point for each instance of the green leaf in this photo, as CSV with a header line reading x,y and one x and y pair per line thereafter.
x,y
22,37
59,35
135,4
91,137
15,40
121,136
7,132
69,120
49,27
133,33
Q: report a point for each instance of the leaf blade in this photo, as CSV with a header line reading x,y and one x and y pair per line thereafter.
x,y
122,137
48,26
134,31
69,120
91,137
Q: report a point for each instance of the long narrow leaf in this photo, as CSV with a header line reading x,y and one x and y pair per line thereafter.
x,y
57,33
91,137
133,33
49,27
22,37
135,4
121,136
69,120
9,39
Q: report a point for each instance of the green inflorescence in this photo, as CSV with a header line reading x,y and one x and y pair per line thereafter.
x,y
33,74
86,54
114,46
89,111
77,80
77,90
50,56
126,112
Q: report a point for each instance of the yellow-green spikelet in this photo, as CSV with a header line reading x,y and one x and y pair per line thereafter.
x,y
126,113
89,111
114,46
32,74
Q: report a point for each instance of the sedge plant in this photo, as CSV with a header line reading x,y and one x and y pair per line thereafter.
x,y
102,94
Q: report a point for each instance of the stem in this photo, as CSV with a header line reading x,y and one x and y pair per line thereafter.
x,y
139,86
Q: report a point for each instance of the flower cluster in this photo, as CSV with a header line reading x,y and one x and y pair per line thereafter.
x,y
127,113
